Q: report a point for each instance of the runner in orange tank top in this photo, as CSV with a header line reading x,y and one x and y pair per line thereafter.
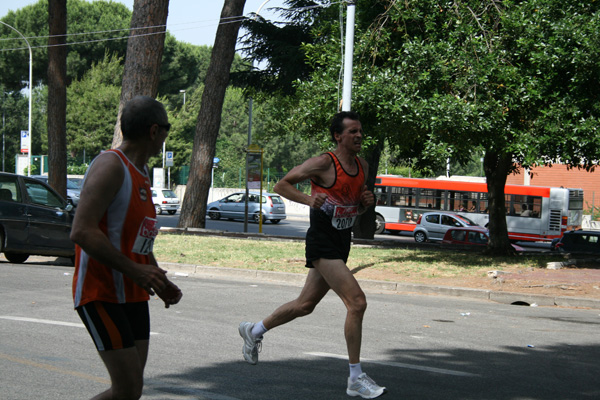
x,y
338,196
114,230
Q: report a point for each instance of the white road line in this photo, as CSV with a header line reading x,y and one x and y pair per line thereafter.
x,y
43,321
48,322
399,365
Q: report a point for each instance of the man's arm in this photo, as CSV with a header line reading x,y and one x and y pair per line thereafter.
x,y
367,198
316,168
102,184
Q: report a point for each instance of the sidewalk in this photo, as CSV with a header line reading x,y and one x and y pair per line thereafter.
x,y
183,270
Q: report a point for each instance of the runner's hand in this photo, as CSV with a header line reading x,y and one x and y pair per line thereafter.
x,y
150,278
170,295
318,200
367,198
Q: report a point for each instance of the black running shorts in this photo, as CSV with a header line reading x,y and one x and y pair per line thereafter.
x,y
115,326
324,241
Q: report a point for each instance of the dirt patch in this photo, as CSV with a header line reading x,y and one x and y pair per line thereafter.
x,y
572,282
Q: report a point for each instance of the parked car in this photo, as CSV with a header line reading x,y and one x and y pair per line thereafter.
x,y
433,225
577,242
165,200
234,205
73,190
34,219
470,236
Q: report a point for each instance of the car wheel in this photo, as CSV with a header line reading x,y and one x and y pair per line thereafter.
x,y
379,224
172,212
214,214
275,221
16,258
256,217
420,237
157,209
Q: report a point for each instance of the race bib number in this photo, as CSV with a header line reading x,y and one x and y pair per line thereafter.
x,y
344,217
144,242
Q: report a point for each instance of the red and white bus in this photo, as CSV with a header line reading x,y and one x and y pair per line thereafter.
x,y
533,213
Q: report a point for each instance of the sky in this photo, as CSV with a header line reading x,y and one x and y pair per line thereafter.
x,y
192,21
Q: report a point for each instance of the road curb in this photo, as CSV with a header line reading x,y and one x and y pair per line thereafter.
x,y
177,269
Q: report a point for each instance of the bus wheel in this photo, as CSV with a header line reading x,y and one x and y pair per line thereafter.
x,y
420,237
379,224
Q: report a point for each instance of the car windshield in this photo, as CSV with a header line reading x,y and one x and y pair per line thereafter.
x,y
466,220
168,194
72,185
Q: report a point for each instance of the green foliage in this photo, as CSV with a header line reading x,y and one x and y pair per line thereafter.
x,y
92,116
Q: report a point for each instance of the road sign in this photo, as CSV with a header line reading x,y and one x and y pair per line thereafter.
x,y
25,141
169,159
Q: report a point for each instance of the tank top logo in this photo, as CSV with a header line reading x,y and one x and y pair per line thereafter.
x,y
143,194
144,242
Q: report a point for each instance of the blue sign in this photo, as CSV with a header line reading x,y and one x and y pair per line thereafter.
x,y
216,160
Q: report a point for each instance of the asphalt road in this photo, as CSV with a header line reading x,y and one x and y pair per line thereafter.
x,y
420,347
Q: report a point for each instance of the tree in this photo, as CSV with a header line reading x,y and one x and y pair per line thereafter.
x,y
519,79
57,95
93,102
193,210
144,54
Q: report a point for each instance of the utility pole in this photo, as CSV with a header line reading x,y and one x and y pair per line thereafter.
x,y
348,54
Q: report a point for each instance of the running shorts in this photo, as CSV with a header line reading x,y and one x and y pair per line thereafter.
x,y
115,326
324,241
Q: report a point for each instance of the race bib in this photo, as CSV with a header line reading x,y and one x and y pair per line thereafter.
x,y
144,242
344,217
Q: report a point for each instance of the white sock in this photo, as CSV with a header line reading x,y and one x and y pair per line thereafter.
x,y
355,371
259,329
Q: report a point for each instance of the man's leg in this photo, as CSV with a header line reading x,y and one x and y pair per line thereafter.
x,y
339,278
315,288
126,370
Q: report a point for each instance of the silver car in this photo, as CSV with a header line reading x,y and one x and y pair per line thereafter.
x,y
234,206
73,190
433,225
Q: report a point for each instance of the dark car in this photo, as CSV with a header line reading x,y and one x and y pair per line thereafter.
x,y
73,190
470,236
578,242
34,219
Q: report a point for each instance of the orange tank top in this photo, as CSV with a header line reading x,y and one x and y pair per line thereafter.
x,y
130,225
343,196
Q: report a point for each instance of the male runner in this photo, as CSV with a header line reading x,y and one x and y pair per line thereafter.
x,y
337,197
114,230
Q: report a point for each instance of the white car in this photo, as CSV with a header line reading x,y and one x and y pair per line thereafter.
x,y
165,200
234,207
433,225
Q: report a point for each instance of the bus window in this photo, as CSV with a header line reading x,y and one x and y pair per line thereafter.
x,y
431,199
382,195
403,197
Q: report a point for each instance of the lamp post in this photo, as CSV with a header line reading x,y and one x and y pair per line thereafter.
x,y
183,91
30,94
349,52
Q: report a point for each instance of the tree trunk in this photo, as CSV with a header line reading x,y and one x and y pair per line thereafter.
x,y
496,168
193,209
144,55
57,96
364,228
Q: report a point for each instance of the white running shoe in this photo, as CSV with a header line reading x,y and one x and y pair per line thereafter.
x,y
364,387
252,346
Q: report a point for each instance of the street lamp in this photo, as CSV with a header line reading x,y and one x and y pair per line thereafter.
x,y
183,91
30,94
